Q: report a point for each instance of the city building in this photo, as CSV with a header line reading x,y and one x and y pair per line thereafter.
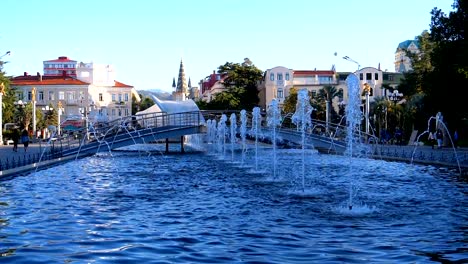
x,y
91,93
402,61
277,83
61,66
211,85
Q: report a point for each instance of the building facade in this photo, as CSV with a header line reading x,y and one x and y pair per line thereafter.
x,y
402,61
59,67
92,93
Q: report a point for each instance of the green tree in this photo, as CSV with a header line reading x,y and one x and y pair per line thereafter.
x,y
289,105
327,94
241,84
449,58
144,104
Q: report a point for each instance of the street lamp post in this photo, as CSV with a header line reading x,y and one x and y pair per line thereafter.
x,y
20,105
47,109
33,100
367,90
395,96
59,111
351,60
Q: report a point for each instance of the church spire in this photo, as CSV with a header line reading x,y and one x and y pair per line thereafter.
x,y
181,82
189,83
173,83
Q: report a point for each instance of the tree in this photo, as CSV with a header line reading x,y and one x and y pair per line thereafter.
x,y
289,105
241,84
450,61
328,93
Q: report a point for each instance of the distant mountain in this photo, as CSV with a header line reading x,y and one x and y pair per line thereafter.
x,y
163,95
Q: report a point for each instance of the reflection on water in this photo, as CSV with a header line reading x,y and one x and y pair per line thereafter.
x,y
148,207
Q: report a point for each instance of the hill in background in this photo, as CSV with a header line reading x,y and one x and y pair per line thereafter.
x,y
163,95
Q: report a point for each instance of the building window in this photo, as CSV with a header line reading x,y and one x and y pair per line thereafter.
x,y
41,96
20,95
61,95
272,76
390,77
325,79
51,96
361,76
376,76
280,93
29,96
113,98
100,97
120,112
279,76
287,76
120,97
113,111
126,112
369,76
126,97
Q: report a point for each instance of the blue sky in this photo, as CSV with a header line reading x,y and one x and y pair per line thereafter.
x,y
145,40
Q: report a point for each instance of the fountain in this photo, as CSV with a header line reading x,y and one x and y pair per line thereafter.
x,y
302,119
354,146
273,121
243,134
221,135
256,120
233,130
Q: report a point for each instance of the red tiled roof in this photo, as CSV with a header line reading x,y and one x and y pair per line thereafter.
x,y
314,72
123,85
60,59
46,80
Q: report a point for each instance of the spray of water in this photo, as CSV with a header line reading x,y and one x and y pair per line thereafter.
x,y
273,121
233,130
302,119
256,120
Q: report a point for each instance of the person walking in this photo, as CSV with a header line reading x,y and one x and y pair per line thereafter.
x,y
15,137
25,139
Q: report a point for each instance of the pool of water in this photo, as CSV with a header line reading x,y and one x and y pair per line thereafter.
x,y
198,208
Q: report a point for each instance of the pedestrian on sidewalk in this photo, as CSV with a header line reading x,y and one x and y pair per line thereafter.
x,y
15,137
25,139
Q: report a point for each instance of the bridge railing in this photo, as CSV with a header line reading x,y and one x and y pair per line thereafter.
x,y
97,132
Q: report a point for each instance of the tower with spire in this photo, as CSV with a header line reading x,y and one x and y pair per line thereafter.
x,y
181,90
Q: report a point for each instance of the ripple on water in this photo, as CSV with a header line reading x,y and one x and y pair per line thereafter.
x,y
191,208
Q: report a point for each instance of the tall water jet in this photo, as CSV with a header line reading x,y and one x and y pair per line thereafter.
x,y
233,130
273,120
353,121
221,134
256,119
301,118
243,132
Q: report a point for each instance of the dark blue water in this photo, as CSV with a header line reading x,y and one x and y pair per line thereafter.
x,y
194,208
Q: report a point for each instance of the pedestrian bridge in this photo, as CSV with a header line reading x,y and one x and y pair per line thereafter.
x,y
165,127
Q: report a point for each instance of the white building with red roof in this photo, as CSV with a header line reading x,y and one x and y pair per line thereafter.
x,y
91,91
61,66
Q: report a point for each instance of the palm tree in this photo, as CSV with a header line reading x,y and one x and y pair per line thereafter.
x,y
380,108
328,93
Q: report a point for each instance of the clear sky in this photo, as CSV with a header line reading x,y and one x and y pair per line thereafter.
x,y
146,39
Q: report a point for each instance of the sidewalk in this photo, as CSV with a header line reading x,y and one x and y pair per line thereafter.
x,y
6,151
